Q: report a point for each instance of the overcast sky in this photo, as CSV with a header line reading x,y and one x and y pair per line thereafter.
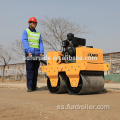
x,y
102,17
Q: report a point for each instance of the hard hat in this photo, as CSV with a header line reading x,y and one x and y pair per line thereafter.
x,y
32,19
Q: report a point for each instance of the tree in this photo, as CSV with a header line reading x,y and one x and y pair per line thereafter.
x,y
5,58
17,48
55,30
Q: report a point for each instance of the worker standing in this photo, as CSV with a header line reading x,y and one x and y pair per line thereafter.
x,y
33,46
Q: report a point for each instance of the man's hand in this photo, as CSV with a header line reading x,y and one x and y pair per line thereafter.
x,y
30,54
41,55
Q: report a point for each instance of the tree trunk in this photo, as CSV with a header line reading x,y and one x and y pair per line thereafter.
x,y
3,73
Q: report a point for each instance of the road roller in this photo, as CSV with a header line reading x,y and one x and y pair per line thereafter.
x,y
76,68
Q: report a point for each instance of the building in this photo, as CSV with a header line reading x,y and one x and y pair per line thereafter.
x,y
18,71
114,60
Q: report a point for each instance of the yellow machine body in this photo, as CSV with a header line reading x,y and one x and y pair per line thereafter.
x,y
87,59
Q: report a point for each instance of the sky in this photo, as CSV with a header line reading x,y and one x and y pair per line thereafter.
x,y
102,18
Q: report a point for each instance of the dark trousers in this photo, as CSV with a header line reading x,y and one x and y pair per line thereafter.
x,y
32,73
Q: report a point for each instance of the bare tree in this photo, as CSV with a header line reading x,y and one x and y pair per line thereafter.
x,y
55,30
17,48
5,58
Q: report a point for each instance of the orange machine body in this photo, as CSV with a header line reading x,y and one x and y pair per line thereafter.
x,y
87,59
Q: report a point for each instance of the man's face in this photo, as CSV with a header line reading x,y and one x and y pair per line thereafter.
x,y
33,24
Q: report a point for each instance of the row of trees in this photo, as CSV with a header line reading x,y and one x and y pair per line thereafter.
x,y
53,30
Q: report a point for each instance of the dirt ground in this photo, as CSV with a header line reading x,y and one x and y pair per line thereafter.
x,y
17,104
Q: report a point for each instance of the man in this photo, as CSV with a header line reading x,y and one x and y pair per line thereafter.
x,y
33,47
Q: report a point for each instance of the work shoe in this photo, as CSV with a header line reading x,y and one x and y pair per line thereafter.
x,y
36,89
29,90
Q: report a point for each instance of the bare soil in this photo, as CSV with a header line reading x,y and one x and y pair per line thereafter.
x,y
108,81
18,104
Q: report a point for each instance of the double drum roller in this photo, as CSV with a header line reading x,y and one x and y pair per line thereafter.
x,y
88,83
83,75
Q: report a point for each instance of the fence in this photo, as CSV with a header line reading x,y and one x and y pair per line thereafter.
x,y
113,77
18,72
